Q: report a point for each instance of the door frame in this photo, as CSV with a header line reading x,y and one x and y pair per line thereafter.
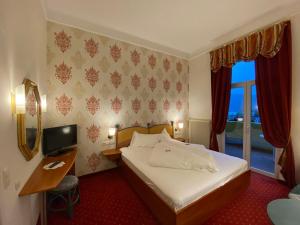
x,y
247,85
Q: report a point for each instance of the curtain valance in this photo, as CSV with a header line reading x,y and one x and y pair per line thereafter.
x,y
266,42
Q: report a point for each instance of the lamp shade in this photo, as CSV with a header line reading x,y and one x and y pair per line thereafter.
x,y
111,131
20,99
44,103
180,125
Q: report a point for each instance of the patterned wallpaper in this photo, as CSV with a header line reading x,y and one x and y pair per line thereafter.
x,y
97,82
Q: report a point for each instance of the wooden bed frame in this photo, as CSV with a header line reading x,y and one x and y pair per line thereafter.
x,y
194,214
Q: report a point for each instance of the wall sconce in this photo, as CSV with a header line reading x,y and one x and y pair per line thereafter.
x,y
20,100
44,103
111,132
179,126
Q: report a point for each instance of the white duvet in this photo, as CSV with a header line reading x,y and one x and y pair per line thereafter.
x,y
193,184
178,155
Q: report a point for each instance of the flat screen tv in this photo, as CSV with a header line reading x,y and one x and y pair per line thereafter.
x,y
59,139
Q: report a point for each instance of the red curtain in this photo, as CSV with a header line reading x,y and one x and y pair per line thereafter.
x,y
220,93
274,88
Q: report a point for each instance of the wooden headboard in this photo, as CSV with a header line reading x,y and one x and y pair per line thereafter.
x,y
156,129
123,136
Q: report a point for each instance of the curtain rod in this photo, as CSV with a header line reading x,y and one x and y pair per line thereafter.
x,y
250,33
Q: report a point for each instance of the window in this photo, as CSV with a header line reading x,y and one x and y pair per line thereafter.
x,y
243,71
243,113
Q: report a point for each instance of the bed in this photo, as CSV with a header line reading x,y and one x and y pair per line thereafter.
x,y
180,197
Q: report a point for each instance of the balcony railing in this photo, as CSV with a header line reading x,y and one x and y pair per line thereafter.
x,y
234,135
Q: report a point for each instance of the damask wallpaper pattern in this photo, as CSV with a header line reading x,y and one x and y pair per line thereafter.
x,y
97,82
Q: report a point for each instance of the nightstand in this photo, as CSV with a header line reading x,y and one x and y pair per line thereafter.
x,y
180,139
112,154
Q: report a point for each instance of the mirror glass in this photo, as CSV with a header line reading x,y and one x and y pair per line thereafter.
x,y
31,119
29,123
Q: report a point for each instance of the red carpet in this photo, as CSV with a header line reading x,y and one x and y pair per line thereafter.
x,y
107,199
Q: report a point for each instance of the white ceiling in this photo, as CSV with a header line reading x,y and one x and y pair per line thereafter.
x,y
179,27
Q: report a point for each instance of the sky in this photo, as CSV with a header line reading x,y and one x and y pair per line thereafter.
x,y
241,72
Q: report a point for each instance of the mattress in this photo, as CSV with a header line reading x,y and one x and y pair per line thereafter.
x,y
177,187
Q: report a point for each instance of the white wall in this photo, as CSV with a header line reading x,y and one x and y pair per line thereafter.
x,y
199,92
295,23
22,54
200,100
199,88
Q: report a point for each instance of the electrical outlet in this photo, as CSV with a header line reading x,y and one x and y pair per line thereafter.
x,y
5,178
17,185
108,142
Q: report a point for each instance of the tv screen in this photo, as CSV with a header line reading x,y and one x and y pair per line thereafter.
x,y
57,139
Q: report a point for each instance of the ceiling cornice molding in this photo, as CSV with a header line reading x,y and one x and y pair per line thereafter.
x,y
274,16
113,34
44,9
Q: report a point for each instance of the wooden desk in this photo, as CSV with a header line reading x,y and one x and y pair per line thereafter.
x,y
42,180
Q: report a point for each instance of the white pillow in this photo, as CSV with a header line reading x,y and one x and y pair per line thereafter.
x,y
165,135
145,140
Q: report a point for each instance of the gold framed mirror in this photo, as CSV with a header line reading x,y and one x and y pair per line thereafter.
x,y
29,123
